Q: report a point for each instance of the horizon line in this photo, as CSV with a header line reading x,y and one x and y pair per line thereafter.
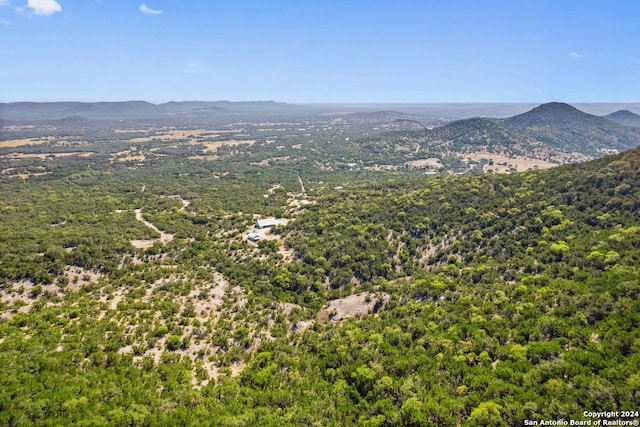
x,y
318,102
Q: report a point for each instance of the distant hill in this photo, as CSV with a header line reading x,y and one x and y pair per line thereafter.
x,y
475,131
92,110
468,134
565,127
552,113
382,121
59,110
624,117
135,110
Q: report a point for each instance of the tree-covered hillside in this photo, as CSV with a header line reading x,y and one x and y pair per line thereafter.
x,y
565,127
131,295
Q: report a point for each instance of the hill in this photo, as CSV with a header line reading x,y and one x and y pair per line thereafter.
x,y
550,114
565,127
476,132
624,117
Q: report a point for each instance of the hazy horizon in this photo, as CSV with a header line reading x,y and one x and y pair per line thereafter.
x,y
450,109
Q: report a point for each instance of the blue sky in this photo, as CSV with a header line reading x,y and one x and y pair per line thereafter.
x,y
320,50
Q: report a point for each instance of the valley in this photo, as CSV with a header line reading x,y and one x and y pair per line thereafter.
x,y
418,267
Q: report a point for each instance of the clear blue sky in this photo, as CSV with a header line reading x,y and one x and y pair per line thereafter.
x,y
320,50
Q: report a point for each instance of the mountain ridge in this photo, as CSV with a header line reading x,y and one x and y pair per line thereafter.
x,y
128,110
555,126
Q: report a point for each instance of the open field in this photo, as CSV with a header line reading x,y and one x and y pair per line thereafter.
x,y
28,141
425,163
176,135
213,146
266,162
502,163
127,156
45,155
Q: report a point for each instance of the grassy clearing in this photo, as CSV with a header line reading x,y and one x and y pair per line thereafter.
x,y
213,146
504,163
177,135
19,142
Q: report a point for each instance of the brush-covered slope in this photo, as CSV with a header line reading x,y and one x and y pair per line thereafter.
x,y
510,284
475,133
495,299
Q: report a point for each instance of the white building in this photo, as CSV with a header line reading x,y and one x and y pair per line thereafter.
x,y
267,223
253,236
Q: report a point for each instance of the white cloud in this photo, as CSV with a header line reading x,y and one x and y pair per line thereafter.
x,y
193,67
4,2
576,55
6,22
148,11
44,7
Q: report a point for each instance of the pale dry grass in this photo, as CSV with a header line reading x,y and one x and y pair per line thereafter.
x,y
425,163
171,134
27,141
214,145
503,163
268,161
45,155
139,158
127,156
143,244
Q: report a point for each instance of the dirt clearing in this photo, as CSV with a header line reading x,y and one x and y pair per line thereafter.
x,y
351,306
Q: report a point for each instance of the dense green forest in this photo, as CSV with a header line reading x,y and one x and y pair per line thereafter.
x,y
131,295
